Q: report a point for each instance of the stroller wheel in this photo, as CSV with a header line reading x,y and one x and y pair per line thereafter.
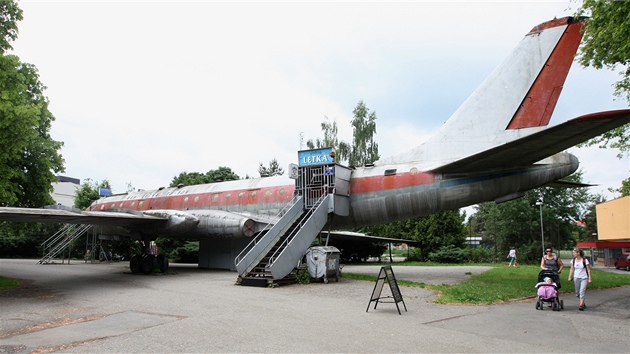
x,y
562,304
554,305
537,305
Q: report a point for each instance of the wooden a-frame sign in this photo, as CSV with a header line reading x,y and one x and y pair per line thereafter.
x,y
386,273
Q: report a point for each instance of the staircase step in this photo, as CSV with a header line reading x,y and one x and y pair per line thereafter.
x,y
266,281
255,281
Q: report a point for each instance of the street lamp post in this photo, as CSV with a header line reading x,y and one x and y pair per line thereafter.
x,y
542,233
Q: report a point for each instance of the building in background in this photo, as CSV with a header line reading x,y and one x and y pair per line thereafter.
x,y
64,190
613,232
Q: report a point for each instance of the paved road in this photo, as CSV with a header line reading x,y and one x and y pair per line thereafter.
x,y
102,308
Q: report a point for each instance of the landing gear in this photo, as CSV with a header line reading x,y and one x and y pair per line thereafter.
x,y
134,263
147,263
162,263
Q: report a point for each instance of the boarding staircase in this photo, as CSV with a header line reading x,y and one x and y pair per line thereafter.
x,y
61,240
272,256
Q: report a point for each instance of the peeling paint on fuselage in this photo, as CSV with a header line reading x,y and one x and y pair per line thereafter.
x,y
375,198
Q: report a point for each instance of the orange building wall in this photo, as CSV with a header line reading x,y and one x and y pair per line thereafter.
x,y
613,220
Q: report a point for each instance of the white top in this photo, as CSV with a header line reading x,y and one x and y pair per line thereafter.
x,y
579,270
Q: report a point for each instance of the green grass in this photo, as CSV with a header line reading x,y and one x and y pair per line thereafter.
x,y
502,283
7,283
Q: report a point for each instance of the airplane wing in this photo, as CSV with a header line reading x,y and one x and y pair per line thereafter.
x,y
537,146
355,236
75,216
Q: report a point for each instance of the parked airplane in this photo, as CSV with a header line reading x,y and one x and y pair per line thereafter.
x,y
494,147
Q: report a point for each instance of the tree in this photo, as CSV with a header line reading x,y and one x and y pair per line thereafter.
x,y
274,169
606,44
29,157
624,189
10,14
192,178
432,231
364,148
88,193
517,222
330,139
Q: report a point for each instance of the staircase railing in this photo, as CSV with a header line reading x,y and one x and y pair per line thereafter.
x,y
297,229
256,240
61,240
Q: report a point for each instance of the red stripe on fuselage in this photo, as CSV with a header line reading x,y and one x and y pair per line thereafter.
x,y
383,183
209,200
264,195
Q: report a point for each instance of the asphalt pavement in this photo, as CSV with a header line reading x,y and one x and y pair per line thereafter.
x,y
103,308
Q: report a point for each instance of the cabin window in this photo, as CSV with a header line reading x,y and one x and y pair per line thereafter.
x,y
390,172
282,191
215,198
196,199
185,200
253,195
240,195
267,193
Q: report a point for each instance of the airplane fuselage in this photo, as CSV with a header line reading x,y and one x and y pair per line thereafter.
x,y
378,194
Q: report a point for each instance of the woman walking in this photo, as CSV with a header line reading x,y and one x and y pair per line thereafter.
x,y
551,262
581,274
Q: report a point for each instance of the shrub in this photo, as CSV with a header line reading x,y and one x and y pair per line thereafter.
x,y
302,276
449,254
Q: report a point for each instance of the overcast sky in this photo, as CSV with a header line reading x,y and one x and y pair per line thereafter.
x,y
145,90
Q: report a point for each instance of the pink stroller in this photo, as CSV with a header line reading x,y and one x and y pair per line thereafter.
x,y
548,286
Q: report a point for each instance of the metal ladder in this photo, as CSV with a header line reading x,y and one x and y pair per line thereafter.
x,y
58,242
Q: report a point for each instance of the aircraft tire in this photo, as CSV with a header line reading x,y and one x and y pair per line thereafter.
x,y
162,262
148,264
134,263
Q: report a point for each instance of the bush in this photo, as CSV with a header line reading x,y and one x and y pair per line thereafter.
x,y
449,254
302,276
415,256
480,255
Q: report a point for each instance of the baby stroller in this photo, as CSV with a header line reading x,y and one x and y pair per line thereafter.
x,y
548,290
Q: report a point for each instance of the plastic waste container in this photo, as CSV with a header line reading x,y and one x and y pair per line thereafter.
x,y
323,262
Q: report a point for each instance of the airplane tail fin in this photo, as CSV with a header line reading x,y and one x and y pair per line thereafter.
x,y
516,100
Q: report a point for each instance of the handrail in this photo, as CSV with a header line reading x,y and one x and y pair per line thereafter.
x,y
297,229
62,239
250,246
56,236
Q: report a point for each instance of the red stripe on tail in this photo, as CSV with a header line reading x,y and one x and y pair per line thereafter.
x,y
540,101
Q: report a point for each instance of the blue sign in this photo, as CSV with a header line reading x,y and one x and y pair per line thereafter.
x,y
314,157
104,192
